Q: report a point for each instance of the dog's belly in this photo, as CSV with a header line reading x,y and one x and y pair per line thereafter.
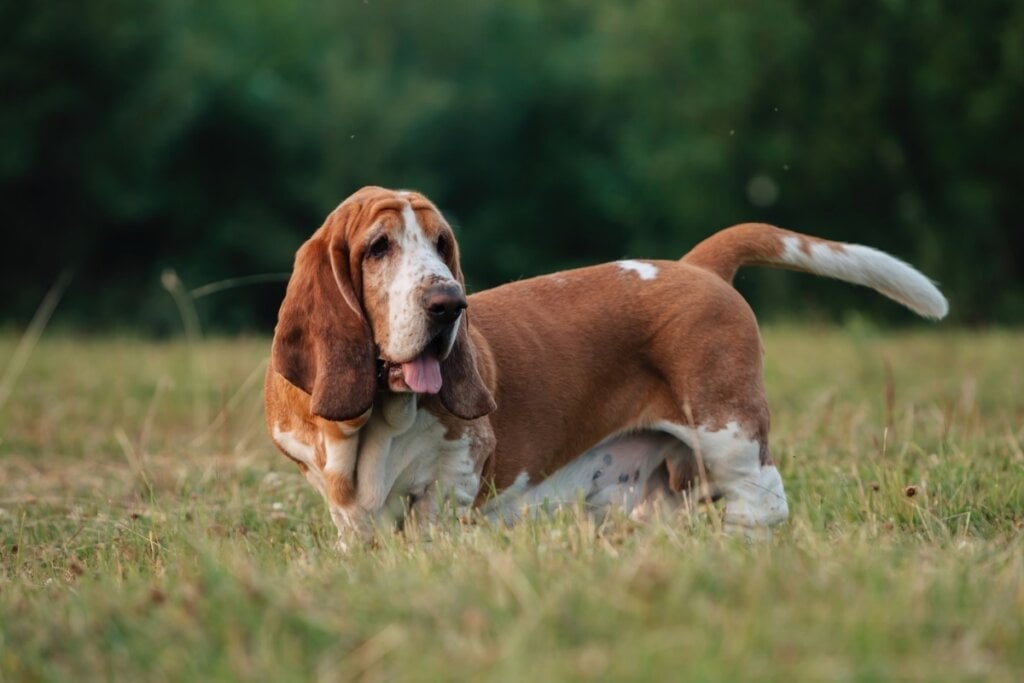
x,y
622,472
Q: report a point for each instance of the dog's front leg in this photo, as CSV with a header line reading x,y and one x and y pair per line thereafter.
x,y
355,526
452,490
424,512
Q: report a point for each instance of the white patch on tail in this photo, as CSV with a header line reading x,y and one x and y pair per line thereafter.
x,y
869,267
646,271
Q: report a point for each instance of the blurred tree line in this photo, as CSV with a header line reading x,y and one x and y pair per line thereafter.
x,y
213,137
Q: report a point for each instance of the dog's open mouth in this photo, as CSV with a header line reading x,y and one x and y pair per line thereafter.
x,y
422,374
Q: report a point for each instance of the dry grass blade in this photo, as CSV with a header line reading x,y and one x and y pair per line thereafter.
x,y
33,332
233,282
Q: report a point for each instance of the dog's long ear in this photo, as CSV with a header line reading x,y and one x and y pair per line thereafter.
x,y
463,391
323,343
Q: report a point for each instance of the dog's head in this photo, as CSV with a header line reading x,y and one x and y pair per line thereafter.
x,y
377,297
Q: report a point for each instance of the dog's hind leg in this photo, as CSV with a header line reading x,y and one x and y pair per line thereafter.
x,y
754,496
739,471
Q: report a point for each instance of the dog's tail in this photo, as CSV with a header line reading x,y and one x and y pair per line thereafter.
x,y
765,245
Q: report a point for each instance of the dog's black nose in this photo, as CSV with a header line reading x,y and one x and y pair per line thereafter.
x,y
444,303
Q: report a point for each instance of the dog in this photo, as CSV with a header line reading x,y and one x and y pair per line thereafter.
x,y
394,392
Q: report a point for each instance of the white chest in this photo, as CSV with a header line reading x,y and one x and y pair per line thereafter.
x,y
402,453
400,456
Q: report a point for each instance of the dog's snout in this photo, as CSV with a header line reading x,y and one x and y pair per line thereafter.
x,y
444,303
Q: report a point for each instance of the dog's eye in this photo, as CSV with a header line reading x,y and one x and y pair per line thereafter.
x,y
443,246
379,247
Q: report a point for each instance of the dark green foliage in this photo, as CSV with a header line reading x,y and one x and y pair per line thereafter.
x,y
213,137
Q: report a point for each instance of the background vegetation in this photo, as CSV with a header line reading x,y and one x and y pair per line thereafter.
x,y
150,531
212,137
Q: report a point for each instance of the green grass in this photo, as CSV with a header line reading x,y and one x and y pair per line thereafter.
x,y
149,531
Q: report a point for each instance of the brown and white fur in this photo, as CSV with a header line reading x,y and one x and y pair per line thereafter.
x,y
618,382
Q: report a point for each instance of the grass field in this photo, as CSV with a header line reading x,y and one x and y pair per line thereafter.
x,y
149,531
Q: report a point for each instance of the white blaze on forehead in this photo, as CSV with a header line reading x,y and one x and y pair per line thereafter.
x,y
646,271
419,265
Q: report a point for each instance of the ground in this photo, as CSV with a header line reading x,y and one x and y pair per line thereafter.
x,y
149,531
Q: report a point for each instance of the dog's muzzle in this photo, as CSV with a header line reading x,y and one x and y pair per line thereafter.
x,y
443,305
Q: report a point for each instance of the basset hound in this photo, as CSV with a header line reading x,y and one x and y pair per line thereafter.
x,y
394,391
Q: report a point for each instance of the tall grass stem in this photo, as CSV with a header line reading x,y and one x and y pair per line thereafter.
x,y
32,334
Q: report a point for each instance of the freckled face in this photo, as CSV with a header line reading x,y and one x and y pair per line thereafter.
x,y
407,251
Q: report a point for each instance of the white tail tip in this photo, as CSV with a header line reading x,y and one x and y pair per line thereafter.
x,y
869,267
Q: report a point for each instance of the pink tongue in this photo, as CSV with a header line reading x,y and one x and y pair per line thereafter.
x,y
423,374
